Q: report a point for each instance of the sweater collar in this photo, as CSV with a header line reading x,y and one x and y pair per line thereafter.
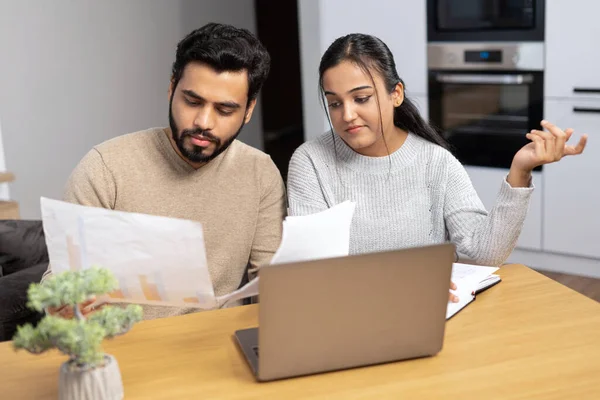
x,y
375,165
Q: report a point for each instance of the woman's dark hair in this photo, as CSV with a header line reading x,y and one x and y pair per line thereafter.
x,y
371,53
224,48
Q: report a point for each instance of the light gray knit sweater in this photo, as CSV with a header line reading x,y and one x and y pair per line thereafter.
x,y
419,195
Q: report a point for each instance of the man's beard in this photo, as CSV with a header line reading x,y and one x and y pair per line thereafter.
x,y
197,154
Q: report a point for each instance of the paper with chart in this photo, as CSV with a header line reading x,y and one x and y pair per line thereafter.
x,y
157,260
467,278
317,236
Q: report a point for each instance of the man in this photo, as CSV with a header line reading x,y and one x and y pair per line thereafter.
x,y
196,169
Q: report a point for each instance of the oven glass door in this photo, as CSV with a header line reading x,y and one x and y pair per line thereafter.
x,y
485,116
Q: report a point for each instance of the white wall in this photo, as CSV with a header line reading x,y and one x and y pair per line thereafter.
x,y
311,49
74,73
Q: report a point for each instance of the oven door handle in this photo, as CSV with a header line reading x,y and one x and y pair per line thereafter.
x,y
595,110
479,79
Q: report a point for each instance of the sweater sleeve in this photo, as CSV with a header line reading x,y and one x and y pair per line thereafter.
x,y
271,214
90,184
486,238
305,192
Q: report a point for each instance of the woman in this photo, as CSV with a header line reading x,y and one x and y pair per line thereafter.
x,y
409,189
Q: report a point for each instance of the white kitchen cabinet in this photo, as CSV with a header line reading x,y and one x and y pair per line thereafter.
x,y
487,183
572,186
572,56
401,24
421,102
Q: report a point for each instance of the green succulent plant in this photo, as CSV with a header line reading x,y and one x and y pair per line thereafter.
x,y
80,338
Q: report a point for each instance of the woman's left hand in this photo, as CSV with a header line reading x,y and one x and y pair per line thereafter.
x,y
452,298
546,147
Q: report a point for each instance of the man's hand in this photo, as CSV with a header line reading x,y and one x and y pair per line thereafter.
x,y
67,311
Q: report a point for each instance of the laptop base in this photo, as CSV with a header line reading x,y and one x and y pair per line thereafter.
x,y
248,341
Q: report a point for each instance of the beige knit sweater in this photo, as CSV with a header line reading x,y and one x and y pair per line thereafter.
x,y
239,197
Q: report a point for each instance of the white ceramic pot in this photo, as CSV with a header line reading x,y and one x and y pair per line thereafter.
x,y
95,384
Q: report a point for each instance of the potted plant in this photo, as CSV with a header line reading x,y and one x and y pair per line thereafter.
x,y
89,373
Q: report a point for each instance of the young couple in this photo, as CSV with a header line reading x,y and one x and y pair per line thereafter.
x,y
409,189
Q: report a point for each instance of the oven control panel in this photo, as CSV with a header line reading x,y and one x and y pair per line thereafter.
x,y
478,56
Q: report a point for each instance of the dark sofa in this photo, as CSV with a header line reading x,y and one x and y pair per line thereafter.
x,y
23,260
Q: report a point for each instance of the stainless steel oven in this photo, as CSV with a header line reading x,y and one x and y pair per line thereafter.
x,y
485,97
485,20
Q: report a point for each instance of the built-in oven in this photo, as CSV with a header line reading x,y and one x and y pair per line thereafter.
x,y
485,20
484,98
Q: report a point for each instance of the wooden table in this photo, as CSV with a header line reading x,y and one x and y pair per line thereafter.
x,y
526,338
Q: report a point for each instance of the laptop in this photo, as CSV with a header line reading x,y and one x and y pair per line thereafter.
x,y
339,313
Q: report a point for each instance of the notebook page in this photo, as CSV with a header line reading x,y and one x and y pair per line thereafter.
x,y
467,278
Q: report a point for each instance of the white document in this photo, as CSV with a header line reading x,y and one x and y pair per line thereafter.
x,y
325,234
467,279
157,260
317,236
62,230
